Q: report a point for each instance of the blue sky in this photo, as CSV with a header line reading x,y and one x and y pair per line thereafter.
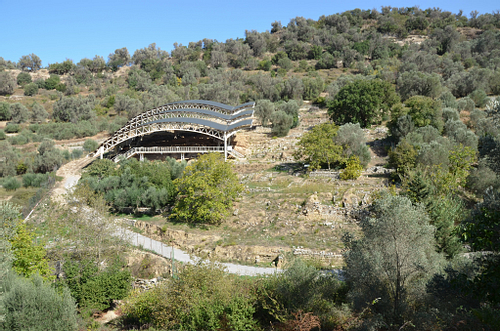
x,y
56,30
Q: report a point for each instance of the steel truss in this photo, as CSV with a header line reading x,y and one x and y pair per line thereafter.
x,y
222,124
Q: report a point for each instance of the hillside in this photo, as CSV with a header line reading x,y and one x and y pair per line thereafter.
x,y
375,150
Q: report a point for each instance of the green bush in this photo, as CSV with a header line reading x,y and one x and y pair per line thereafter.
x,y
32,304
31,89
479,97
23,78
51,83
61,87
40,83
18,140
300,287
20,113
5,114
12,128
93,288
352,170
90,145
363,101
11,183
34,180
466,104
203,297
134,184
2,135
265,65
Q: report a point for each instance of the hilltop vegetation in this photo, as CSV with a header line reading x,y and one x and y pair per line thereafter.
x,y
422,253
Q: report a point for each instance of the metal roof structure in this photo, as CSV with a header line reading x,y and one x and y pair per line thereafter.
x,y
210,118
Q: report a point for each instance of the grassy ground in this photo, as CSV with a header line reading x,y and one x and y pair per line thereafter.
x,y
20,197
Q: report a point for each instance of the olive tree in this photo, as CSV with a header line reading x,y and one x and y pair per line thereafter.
x,y
126,103
7,83
119,58
149,53
30,62
20,113
38,113
353,141
9,218
256,41
394,259
49,158
31,89
264,110
282,122
412,83
74,109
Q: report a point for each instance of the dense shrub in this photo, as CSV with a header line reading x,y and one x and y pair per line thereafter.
x,y
202,297
264,110
291,108
5,114
60,131
74,109
450,114
479,97
23,78
94,288
34,180
52,81
424,111
11,183
12,128
49,158
31,89
418,83
301,287
352,170
482,178
32,304
38,113
448,100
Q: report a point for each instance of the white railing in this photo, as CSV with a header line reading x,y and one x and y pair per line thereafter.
x,y
171,149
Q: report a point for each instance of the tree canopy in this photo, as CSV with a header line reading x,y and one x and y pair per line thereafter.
x,y
318,147
207,190
363,101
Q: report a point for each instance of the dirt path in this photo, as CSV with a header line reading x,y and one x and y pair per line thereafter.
x,y
71,173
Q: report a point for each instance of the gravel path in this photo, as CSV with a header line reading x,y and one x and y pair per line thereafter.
x,y
160,248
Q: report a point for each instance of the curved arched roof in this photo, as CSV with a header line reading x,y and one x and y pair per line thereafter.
x,y
180,115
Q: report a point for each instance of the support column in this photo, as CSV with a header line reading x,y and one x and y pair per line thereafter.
x,y
141,157
225,146
182,157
